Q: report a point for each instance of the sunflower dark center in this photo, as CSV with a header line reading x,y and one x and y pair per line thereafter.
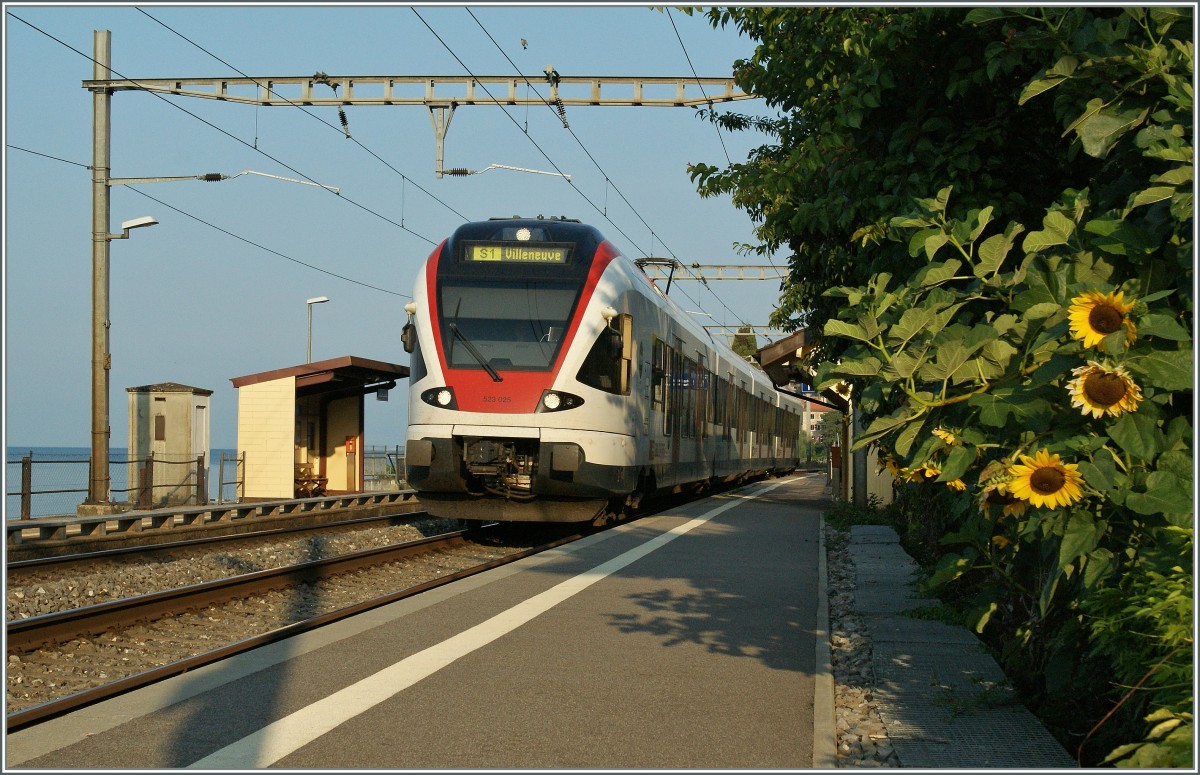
x,y
999,498
1047,480
1105,319
1104,388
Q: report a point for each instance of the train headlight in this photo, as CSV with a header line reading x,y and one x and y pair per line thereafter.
x,y
441,397
557,401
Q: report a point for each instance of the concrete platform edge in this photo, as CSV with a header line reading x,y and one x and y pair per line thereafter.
x,y
824,732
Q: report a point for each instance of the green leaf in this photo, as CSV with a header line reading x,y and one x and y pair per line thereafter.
x,y
1165,494
1151,195
1163,326
863,367
950,358
937,273
1100,473
905,440
881,427
1137,435
957,463
1165,369
1081,536
995,407
949,567
1099,564
983,15
1057,230
912,321
994,250
848,330
1042,310
1100,129
1061,71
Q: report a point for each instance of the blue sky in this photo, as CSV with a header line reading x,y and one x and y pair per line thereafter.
x,y
217,289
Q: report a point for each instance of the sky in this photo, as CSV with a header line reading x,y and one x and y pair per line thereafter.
x,y
218,288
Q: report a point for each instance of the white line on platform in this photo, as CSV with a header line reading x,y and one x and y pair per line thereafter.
x,y
280,738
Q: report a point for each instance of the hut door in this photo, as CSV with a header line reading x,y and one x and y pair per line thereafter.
x,y
352,464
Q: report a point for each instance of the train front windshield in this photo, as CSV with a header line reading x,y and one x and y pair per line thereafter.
x,y
511,324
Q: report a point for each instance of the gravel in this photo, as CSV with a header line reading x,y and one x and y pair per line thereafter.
x,y
862,738
49,674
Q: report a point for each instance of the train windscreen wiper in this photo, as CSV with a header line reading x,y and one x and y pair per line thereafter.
x,y
478,356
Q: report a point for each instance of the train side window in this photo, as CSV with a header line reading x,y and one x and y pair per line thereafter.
x,y
607,365
416,362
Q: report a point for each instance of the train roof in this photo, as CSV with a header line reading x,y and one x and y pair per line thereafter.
x,y
541,229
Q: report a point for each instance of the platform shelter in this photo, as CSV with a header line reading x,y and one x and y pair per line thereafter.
x,y
856,474
302,427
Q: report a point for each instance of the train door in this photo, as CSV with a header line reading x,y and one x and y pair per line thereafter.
x,y
659,398
701,416
676,409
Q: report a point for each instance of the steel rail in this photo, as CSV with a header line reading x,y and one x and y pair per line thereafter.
x,y
16,567
47,710
87,621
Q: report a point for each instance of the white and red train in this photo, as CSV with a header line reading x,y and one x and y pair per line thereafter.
x,y
552,381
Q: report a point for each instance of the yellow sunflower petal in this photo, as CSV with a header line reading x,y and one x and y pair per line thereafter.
x,y
1095,315
1045,481
1098,391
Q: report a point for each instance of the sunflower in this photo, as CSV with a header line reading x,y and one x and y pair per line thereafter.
x,y
957,484
1044,480
929,470
945,435
1095,315
1097,391
996,494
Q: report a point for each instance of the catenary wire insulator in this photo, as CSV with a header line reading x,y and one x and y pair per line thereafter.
x,y
460,171
345,123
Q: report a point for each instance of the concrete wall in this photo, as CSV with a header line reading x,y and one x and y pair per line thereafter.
x,y
173,425
266,433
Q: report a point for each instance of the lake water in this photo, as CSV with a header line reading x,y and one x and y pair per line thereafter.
x,y
60,478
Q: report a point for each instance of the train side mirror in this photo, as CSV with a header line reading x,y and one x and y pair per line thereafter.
x,y
408,334
408,337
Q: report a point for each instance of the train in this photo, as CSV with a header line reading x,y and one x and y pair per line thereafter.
x,y
551,380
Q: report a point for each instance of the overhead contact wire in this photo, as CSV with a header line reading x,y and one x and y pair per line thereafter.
x,y
305,110
607,178
227,133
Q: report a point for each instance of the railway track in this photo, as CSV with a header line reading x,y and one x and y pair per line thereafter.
x,y
62,563
84,654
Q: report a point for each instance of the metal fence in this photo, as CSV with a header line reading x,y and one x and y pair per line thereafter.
x,y
41,484
383,468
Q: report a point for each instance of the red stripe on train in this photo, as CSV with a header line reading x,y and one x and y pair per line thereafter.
x,y
519,391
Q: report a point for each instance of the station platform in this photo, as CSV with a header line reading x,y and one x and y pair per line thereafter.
x,y
696,638
943,699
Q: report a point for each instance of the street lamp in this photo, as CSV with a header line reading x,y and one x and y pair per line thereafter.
x,y
311,302
98,484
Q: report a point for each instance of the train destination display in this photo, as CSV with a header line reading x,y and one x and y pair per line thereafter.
x,y
518,253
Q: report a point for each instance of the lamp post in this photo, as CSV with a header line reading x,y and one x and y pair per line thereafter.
x,y
311,302
98,480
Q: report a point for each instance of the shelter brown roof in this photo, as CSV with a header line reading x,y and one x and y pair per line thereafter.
x,y
331,374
